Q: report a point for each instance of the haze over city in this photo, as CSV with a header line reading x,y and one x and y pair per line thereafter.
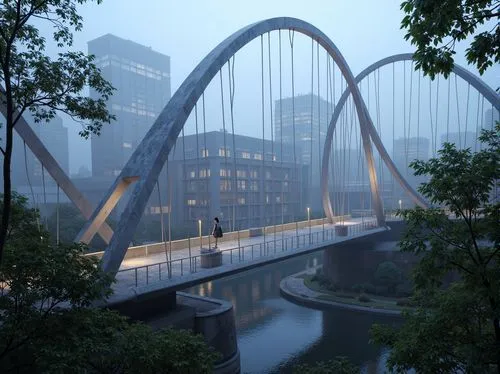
x,y
186,31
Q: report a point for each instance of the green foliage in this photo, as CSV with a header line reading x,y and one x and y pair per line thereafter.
x,y
32,81
48,324
364,298
340,365
364,287
435,26
388,275
454,328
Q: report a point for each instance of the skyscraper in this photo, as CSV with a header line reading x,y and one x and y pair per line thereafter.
x,y
309,132
141,78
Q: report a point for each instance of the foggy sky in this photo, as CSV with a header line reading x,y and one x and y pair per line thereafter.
x,y
364,31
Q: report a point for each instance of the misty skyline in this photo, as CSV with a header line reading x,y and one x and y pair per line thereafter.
x,y
187,31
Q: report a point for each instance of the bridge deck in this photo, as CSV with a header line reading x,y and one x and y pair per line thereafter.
x,y
152,273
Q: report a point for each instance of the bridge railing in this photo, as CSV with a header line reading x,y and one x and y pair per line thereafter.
x,y
206,240
146,274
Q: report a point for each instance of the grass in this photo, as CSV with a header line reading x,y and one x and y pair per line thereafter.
x,y
351,298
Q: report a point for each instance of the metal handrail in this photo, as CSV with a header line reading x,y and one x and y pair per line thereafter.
x,y
295,241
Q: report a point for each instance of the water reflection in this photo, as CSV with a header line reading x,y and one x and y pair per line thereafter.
x,y
274,334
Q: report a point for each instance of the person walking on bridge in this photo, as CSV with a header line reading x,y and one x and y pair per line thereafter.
x,y
217,231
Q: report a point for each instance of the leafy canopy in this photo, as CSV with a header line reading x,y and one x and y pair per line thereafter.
x,y
43,85
455,327
435,26
48,324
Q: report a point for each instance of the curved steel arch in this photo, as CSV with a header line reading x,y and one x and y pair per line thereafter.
x,y
466,75
146,162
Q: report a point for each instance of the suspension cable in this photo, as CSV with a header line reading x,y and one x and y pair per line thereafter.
x,y
206,155
477,119
393,130
312,122
44,199
225,143
230,69
458,113
58,226
319,118
437,115
273,198
448,114
170,191
418,113
264,184
282,183
467,115
35,201
291,35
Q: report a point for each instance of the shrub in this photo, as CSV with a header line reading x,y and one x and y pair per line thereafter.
x,y
388,275
340,365
369,288
364,298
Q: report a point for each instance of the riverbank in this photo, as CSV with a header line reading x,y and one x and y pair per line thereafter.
x,y
294,288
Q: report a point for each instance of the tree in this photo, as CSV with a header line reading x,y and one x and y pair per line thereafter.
x,y
47,323
388,275
435,26
31,80
455,328
339,365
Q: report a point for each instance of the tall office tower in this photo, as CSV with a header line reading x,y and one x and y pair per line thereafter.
x,y
462,140
407,150
141,78
26,168
309,132
491,116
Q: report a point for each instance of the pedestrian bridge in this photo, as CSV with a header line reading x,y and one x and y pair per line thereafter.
x,y
174,266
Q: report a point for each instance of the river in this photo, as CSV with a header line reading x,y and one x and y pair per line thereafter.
x,y
275,334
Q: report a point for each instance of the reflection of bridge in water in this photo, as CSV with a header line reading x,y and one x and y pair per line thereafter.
x,y
346,152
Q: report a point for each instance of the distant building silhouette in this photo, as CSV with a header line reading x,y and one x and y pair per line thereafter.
x,y
491,116
203,184
307,132
462,140
141,78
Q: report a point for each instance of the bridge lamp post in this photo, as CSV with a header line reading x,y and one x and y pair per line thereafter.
x,y
400,204
309,221
199,233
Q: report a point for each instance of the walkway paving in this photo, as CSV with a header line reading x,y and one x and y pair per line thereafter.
x,y
137,275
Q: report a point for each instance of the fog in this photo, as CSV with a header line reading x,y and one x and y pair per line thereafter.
x,y
364,32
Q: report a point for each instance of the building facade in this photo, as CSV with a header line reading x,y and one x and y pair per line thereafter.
x,y
141,78
243,186
304,119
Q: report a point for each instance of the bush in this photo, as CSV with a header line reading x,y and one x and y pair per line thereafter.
x,y
388,275
48,324
364,287
364,298
405,303
340,365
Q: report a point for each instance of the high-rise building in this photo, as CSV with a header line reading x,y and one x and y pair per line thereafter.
x,y
407,150
309,129
141,78
462,140
491,116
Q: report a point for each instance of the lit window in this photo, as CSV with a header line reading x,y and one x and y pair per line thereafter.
x,y
242,185
224,153
204,152
127,145
191,202
192,174
257,156
241,200
204,173
254,174
245,154
225,172
241,173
